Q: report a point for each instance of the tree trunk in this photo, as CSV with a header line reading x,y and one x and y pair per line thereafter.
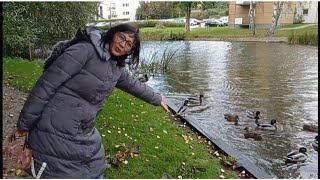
x,y
276,14
252,13
188,12
298,13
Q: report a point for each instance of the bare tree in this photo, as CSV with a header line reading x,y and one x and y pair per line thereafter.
x,y
188,12
276,14
298,13
252,13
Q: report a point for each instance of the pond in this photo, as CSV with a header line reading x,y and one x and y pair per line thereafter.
x,y
278,79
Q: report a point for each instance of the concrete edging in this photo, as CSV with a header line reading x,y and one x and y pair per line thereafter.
x,y
246,39
242,160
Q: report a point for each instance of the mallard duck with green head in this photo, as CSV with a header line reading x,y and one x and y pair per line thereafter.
x,y
254,115
253,135
297,156
315,144
268,127
195,101
183,108
144,78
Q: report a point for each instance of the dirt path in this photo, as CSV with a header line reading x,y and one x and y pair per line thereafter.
x,y
12,101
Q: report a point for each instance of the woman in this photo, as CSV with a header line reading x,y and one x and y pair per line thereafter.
x,y
59,114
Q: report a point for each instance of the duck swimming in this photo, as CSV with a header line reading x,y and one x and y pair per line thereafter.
x,y
253,114
315,144
144,78
231,118
297,156
183,107
310,127
252,135
195,101
268,127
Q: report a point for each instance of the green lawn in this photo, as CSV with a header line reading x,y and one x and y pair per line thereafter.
x,y
218,32
166,150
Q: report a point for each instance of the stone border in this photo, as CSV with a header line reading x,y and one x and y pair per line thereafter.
x,y
245,39
242,160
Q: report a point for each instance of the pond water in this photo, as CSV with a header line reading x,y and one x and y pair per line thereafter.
x,y
278,79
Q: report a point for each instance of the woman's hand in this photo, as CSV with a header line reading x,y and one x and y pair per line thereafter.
x,y
164,105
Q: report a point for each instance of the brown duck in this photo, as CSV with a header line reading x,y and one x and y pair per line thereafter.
x,y
231,118
252,135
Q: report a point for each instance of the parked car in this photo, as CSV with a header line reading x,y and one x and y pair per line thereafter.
x,y
210,23
221,22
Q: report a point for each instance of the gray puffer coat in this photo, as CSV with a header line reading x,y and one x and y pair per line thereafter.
x,y
61,109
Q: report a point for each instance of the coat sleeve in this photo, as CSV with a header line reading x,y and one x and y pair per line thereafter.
x,y
133,86
61,70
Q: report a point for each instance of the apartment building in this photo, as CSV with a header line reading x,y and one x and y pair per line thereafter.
x,y
239,13
118,9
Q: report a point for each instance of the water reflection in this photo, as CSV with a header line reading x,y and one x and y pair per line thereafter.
x,y
278,79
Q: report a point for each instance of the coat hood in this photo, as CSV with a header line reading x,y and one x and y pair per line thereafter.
x,y
93,34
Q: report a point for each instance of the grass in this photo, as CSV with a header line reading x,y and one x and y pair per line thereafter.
x,y
125,122
292,25
220,32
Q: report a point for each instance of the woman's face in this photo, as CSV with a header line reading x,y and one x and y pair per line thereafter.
x,y
122,43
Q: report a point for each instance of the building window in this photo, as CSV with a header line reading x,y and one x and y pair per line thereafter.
x,y
127,13
124,13
123,4
305,11
127,4
101,12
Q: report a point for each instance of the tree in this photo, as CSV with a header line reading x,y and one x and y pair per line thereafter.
x,y
276,14
252,13
298,13
33,25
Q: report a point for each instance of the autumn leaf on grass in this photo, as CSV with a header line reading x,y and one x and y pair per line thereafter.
x,y
17,172
164,131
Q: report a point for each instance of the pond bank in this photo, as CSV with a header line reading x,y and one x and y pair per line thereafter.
x,y
245,39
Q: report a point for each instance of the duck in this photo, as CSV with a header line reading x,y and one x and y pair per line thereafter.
x,y
297,156
231,118
252,135
269,127
183,107
254,115
193,101
144,78
310,127
315,144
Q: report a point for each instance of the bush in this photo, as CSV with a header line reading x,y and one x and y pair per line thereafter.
x,y
305,38
153,23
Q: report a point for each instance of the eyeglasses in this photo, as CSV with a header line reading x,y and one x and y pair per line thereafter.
x,y
122,38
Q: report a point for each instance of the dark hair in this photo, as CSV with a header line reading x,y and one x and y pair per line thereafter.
x,y
130,28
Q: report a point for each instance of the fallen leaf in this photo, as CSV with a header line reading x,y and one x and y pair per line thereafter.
x,y
103,135
11,115
151,129
222,176
223,171
125,162
179,177
109,131
17,172
164,131
156,147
